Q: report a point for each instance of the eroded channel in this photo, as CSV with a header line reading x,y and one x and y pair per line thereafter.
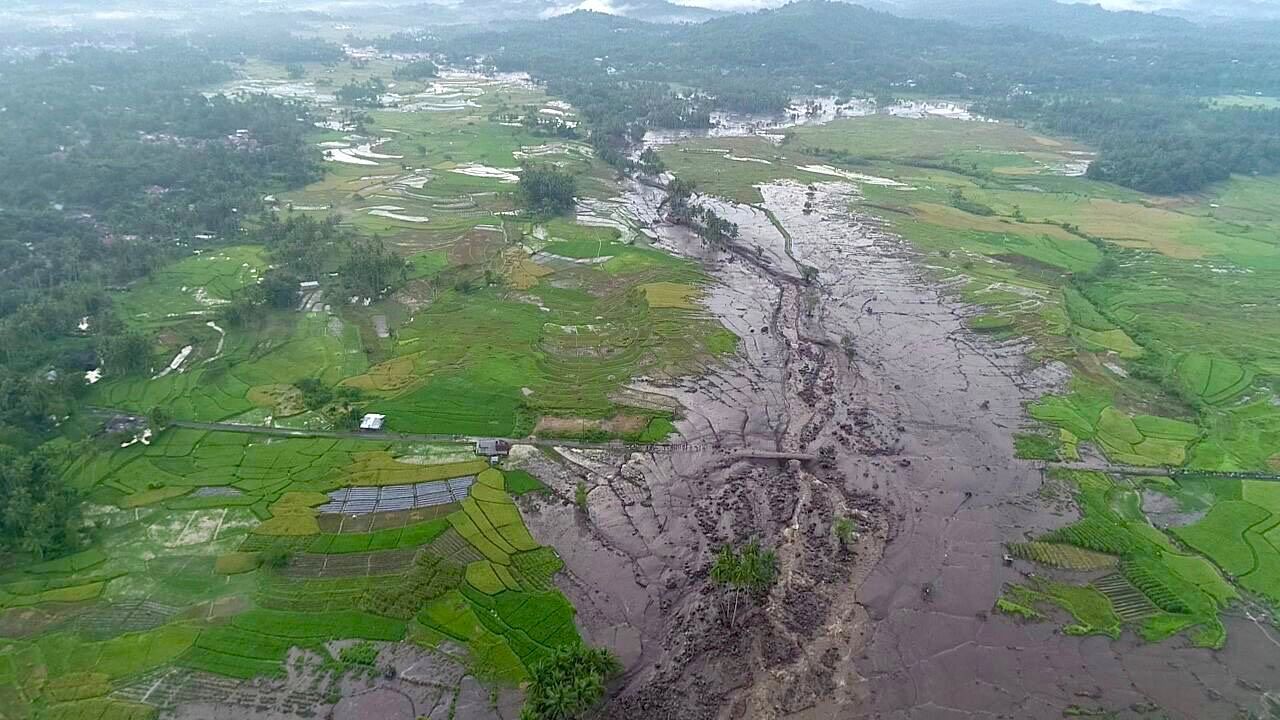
x,y
870,368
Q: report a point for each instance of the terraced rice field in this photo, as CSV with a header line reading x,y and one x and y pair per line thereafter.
x,y
502,322
1130,603
1159,589
175,589
1068,557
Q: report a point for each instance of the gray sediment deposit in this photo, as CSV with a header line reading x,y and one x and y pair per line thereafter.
x,y
870,368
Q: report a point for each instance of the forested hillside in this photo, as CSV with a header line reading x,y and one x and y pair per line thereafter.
x,y
617,70
115,165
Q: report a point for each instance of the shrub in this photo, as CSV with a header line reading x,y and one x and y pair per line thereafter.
x,y
846,530
751,572
365,653
275,557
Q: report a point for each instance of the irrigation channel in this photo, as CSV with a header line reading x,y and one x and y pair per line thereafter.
x,y
913,432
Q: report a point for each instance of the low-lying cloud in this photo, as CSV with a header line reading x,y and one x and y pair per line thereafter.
x,y
1225,6
732,5
602,6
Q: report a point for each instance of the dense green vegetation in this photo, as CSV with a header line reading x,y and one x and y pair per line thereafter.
x,y
1164,141
120,167
1156,144
547,191
362,94
682,210
242,284
569,683
41,515
742,574
416,70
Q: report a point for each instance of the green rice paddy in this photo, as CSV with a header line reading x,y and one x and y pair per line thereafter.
x,y
194,287
501,324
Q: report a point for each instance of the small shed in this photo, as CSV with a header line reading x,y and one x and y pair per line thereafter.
x,y
492,447
372,422
309,285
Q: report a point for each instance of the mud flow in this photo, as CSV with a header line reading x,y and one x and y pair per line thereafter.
x,y
896,416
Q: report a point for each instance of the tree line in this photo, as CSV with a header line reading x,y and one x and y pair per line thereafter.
x,y
627,76
1158,144
117,164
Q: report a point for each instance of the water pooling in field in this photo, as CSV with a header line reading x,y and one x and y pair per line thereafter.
x,y
808,111
364,500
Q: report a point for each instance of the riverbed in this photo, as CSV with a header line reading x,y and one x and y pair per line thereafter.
x,y
871,368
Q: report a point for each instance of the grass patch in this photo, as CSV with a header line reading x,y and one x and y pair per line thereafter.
x,y
671,295
1091,609
1034,446
427,264
519,482
1220,535
1016,609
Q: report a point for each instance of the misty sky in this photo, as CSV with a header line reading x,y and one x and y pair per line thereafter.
x,y
1147,5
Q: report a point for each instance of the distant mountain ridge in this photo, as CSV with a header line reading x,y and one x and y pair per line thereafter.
x,y
660,11
1216,11
1071,19
498,11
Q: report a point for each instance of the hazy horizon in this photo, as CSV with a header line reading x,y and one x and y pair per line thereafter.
x,y
1135,5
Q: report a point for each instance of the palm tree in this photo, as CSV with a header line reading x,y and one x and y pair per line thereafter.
x,y
752,571
569,683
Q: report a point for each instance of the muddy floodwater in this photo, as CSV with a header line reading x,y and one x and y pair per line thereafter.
x,y
906,419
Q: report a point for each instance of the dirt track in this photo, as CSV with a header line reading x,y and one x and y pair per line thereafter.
x,y
921,414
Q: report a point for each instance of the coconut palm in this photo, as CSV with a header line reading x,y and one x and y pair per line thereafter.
x,y
751,572
569,683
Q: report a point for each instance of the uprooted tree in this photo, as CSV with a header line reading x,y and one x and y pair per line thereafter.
x,y
743,577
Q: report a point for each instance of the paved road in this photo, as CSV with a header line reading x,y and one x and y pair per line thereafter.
x,y
393,437
1167,472
737,452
